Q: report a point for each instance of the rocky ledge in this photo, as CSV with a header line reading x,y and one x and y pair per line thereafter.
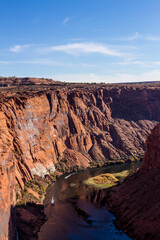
x,y
136,201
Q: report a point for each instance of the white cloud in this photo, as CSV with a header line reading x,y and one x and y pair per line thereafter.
x,y
152,38
90,77
138,36
44,62
115,78
81,48
134,62
5,62
135,36
19,48
66,20
157,63
48,62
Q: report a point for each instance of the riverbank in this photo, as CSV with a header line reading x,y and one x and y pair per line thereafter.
x,y
78,212
30,214
30,207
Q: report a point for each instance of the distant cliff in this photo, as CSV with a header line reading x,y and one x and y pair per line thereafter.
x,y
15,81
69,127
136,202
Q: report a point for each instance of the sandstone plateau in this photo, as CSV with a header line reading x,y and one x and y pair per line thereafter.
x,y
67,127
136,201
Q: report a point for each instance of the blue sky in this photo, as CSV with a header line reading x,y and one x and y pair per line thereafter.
x,y
81,41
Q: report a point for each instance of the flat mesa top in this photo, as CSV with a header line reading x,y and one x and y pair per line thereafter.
x,y
11,86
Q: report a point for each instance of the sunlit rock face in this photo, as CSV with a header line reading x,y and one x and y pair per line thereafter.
x,y
73,126
78,126
136,201
7,180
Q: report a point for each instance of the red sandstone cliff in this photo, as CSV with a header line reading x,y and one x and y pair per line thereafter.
x,y
78,127
136,202
69,127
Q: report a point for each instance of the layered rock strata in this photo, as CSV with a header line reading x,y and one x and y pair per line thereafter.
x,y
69,127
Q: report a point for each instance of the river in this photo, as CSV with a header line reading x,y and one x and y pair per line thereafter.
x,y
76,215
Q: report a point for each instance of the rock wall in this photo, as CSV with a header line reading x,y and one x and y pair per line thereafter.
x,y
136,202
77,127
7,180
152,155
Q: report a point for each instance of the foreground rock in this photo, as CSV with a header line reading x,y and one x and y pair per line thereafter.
x,y
136,202
67,127
30,217
30,209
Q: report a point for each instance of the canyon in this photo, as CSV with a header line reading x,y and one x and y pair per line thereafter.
x,y
67,127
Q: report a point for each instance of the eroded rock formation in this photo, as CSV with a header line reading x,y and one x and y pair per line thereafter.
x,y
136,202
69,126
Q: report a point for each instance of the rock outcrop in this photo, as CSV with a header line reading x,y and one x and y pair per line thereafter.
x,y
136,202
68,127
15,81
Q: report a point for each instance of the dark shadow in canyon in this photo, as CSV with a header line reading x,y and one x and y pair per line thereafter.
x,y
29,218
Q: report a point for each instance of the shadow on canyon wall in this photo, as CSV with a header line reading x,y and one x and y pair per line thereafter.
x,y
29,218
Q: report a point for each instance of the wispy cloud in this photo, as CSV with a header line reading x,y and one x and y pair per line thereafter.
x,y
152,38
135,36
37,62
5,62
132,37
48,62
115,78
66,20
19,48
81,48
138,36
156,63
133,62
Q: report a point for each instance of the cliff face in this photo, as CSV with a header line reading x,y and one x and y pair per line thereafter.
x,y
152,155
68,128
7,180
77,127
136,202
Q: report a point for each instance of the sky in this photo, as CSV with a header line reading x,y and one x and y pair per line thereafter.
x,y
105,41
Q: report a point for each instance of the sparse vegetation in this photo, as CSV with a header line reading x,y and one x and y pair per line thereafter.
x,y
107,180
108,162
35,189
63,167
